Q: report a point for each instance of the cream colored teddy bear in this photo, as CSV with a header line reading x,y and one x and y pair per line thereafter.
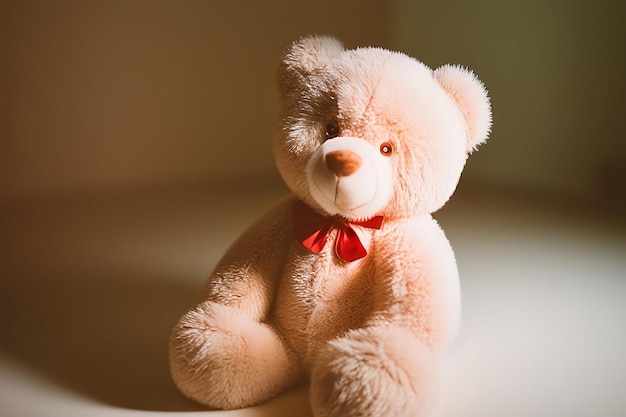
x,y
349,282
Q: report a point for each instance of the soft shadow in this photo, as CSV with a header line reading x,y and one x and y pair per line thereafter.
x,y
90,291
104,337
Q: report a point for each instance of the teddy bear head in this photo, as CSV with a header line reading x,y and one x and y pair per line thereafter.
x,y
368,131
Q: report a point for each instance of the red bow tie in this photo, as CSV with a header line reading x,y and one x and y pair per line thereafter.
x,y
312,229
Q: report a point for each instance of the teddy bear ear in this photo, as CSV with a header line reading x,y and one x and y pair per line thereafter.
x,y
470,95
303,57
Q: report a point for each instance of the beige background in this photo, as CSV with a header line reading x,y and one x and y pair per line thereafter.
x,y
135,146
111,94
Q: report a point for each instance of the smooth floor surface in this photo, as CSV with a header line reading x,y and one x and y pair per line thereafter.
x,y
90,287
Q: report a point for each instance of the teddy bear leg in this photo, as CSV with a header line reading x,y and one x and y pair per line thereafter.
x,y
225,360
376,371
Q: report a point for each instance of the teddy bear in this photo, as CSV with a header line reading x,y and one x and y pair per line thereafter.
x,y
348,283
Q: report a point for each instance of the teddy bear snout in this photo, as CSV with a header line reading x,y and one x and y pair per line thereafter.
x,y
343,163
349,176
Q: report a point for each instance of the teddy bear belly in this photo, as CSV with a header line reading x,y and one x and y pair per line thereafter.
x,y
319,299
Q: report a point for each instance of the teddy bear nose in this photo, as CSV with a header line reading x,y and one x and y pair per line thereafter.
x,y
343,163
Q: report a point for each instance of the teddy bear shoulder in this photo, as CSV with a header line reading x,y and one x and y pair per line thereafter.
x,y
414,237
268,236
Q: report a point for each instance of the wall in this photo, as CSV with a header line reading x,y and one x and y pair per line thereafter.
x,y
106,94
555,71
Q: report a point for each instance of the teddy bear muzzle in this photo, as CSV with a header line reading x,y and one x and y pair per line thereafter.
x,y
348,176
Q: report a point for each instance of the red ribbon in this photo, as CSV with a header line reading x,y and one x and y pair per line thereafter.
x,y
312,230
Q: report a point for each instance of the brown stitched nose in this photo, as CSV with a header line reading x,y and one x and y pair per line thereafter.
x,y
343,163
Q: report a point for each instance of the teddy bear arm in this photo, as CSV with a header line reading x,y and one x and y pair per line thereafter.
x,y
247,275
420,288
222,352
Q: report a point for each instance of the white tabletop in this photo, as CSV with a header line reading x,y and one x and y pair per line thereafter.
x,y
91,285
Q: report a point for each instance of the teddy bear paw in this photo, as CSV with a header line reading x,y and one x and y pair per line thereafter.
x,y
224,359
377,371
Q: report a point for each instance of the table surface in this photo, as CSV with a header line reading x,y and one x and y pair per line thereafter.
x,y
91,285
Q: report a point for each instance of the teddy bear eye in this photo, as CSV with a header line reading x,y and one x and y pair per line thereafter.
x,y
386,149
332,129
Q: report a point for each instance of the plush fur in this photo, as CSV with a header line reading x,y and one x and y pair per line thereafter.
x,y
365,132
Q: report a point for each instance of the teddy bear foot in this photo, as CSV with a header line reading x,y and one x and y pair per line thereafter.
x,y
225,360
377,371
